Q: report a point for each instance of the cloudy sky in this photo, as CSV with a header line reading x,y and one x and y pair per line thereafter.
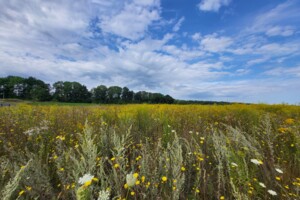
x,y
223,50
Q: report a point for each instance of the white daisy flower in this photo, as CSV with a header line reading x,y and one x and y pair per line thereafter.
x,y
272,192
257,162
262,184
279,171
86,178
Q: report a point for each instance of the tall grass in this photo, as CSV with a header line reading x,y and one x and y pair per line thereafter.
x,y
166,151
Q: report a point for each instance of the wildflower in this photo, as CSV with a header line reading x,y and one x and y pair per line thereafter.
x,y
116,165
234,164
222,197
257,162
132,193
131,179
62,138
278,178
272,192
289,121
125,185
28,188
143,179
137,182
182,169
197,191
21,192
138,158
103,195
113,158
86,180
262,184
136,175
282,129
164,178
279,170
148,184
287,187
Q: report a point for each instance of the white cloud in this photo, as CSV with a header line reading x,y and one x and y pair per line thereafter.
x,y
276,49
213,43
279,21
213,5
280,31
257,61
133,20
183,54
196,36
284,71
178,24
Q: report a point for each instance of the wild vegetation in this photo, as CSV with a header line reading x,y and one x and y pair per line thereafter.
x,y
150,152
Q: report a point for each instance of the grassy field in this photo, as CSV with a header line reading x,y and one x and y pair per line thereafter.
x,y
150,152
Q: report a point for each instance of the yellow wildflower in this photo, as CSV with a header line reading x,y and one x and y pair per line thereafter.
x,y
87,183
21,192
143,179
116,165
28,188
135,175
289,121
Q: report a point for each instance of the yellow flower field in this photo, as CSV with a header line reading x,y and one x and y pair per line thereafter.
x,y
150,152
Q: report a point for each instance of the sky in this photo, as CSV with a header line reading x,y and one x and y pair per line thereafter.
x,y
219,50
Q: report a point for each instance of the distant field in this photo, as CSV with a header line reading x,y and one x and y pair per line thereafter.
x,y
146,151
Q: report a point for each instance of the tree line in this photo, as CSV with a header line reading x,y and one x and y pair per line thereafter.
x,y
64,91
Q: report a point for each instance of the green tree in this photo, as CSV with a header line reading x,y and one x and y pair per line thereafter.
x,y
36,89
71,92
99,94
114,94
127,95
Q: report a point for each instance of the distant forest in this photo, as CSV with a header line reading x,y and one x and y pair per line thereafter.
x,y
74,92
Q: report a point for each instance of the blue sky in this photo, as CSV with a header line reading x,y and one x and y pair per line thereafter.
x,y
222,50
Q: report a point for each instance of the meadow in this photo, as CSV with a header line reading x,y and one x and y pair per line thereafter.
x,y
145,151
